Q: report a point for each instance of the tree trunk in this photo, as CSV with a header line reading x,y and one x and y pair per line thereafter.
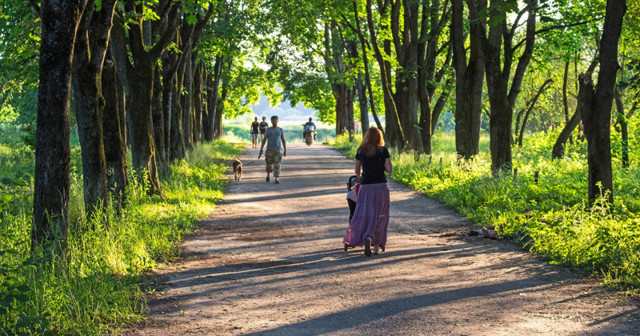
x,y
90,51
365,60
596,105
157,115
52,154
362,102
393,130
359,88
213,115
558,148
406,79
169,62
177,151
622,120
143,151
114,147
469,82
344,108
187,102
565,100
122,109
206,110
220,112
498,52
197,103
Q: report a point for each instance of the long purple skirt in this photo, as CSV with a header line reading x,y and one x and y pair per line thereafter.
x,y
371,216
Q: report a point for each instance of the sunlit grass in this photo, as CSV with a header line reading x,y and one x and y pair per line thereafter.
x,y
97,287
550,217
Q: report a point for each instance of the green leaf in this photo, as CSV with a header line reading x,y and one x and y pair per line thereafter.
x,y
191,19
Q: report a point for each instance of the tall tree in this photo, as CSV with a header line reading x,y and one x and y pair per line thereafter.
x,y
90,51
595,104
469,80
139,70
60,20
499,54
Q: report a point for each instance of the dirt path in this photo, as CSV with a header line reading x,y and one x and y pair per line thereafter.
x,y
270,261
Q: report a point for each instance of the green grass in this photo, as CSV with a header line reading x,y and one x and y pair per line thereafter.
x,y
551,217
98,287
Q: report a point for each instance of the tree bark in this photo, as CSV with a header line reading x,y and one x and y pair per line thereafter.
x,y
197,103
114,146
565,99
558,148
220,112
394,133
406,79
365,60
621,119
206,109
596,105
60,21
139,77
213,100
187,102
498,52
177,150
90,51
469,81
157,115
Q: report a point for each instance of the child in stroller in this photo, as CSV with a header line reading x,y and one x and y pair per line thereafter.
x,y
352,195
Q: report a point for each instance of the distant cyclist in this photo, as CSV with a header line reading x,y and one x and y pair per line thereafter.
x,y
309,127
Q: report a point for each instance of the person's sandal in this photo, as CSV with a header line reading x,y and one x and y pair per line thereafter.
x,y
381,248
276,181
268,179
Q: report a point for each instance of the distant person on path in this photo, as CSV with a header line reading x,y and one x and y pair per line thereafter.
x,y
368,226
263,128
254,132
276,149
309,127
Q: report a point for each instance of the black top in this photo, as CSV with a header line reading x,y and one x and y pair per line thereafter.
x,y
254,126
373,166
263,126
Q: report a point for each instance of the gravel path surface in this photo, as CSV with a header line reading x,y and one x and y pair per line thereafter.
x,y
270,261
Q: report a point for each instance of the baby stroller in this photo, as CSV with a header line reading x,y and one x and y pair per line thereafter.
x,y
352,194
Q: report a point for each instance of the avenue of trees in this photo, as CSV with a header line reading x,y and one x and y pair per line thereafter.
x,y
410,61
154,78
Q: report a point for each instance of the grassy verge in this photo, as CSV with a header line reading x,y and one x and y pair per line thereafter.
x,y
550,217
97,287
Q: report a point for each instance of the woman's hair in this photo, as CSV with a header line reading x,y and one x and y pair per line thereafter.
x,y
371,140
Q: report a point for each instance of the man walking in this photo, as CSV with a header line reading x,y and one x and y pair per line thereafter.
x,y
274,138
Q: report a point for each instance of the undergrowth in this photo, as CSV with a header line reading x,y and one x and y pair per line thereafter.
x,y
550,217
96,288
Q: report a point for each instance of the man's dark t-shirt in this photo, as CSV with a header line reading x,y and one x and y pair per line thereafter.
x,y
373,166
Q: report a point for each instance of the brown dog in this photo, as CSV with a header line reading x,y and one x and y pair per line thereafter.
x,y
237,169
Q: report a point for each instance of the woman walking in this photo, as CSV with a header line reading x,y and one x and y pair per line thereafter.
x,y
254,132
368,226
